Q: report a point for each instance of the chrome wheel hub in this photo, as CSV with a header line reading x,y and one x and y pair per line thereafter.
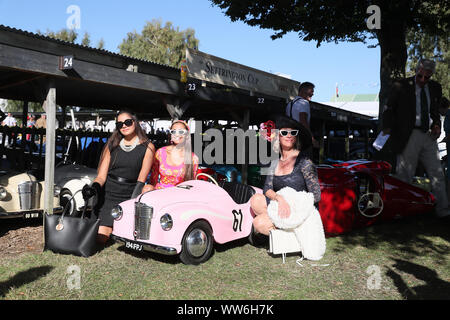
x,y
197,242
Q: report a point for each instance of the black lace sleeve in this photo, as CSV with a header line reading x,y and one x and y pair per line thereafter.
x,y
268,185
310,175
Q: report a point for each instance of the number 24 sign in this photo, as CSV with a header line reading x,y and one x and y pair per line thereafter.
x,y
66,63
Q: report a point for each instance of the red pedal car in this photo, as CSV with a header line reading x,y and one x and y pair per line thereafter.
x,y
360,193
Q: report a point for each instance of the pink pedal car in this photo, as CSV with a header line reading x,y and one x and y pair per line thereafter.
x,y
186,219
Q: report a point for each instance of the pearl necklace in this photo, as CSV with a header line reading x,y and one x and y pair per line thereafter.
x,y
130,147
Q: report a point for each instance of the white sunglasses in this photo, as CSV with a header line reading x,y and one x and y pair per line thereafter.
x,y
284,133
180,132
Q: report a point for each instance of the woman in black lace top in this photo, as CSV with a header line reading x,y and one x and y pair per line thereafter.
x,y
293,169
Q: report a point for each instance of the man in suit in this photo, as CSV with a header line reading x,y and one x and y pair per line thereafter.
x,y
412,118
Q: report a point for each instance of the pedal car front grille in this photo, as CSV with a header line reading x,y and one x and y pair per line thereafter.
x,y
143,215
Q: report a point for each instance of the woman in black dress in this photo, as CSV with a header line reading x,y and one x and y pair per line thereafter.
x,y
123,169
293,169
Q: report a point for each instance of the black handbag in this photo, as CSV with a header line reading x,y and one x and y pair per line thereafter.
x,y
71,235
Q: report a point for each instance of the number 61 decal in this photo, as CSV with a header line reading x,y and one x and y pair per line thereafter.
x,y
237,222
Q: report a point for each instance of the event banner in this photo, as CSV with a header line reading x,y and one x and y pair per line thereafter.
x,y
210,68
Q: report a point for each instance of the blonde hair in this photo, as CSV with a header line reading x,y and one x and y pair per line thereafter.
x,y
188,161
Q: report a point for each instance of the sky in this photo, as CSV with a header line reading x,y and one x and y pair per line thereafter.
x,y
352,66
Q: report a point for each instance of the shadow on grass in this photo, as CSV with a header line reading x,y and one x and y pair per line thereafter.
x,y
409,236
175,259
434,287
23,277
230,245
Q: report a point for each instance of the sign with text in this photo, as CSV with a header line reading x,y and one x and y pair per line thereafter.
x,y
217,70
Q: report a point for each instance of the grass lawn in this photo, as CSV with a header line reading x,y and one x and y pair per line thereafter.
x,y
403,259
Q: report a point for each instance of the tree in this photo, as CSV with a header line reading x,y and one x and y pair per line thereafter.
x,y
160,44
68,35
344,20
101,44
86,40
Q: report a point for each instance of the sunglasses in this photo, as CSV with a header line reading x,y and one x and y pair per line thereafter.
x,y
127,123
421,76
180,132
284,133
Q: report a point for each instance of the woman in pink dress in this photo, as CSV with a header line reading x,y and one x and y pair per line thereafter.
x,y
175,163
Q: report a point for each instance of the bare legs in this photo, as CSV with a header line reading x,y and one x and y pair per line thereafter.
x,y
103,234
262,222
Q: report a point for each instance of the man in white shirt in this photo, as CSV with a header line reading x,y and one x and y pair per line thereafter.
x,y
299,108
9,121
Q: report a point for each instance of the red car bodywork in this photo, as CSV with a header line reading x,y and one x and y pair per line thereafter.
x,y
343,199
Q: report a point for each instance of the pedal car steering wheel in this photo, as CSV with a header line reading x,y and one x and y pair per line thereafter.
x,y
370,205
208,176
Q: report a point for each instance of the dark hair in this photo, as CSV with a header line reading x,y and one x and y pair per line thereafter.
x,y
188,165
305,85
288,123
115,138
303,139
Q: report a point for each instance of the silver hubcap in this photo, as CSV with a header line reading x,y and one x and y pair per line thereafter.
x,y
197,242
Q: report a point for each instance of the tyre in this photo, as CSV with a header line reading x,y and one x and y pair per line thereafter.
x,y
64,199
257,239
197,244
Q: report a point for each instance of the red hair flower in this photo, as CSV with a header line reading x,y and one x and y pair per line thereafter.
x,y
267,130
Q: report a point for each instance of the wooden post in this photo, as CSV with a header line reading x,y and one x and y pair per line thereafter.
x,y
24,116
50,102
366,142
62,123
347,143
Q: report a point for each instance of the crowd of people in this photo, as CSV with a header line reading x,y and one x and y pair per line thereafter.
x,y
10,121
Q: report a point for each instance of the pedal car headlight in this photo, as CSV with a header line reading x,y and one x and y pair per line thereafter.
x,y
56,191
117,212
166,222
3,193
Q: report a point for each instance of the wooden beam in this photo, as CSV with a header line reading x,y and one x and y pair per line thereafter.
x,y
44,63
50,109
24,116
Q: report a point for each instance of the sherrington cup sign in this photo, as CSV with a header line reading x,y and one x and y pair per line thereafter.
x,y
217,70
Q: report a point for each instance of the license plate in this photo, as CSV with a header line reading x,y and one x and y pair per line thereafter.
x,y
31,215
133,246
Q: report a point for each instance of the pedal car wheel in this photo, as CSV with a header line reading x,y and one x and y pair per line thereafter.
x,y
257,239
64,199
198,244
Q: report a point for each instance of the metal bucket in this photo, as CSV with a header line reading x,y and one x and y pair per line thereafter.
x,y
143,215
28,195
